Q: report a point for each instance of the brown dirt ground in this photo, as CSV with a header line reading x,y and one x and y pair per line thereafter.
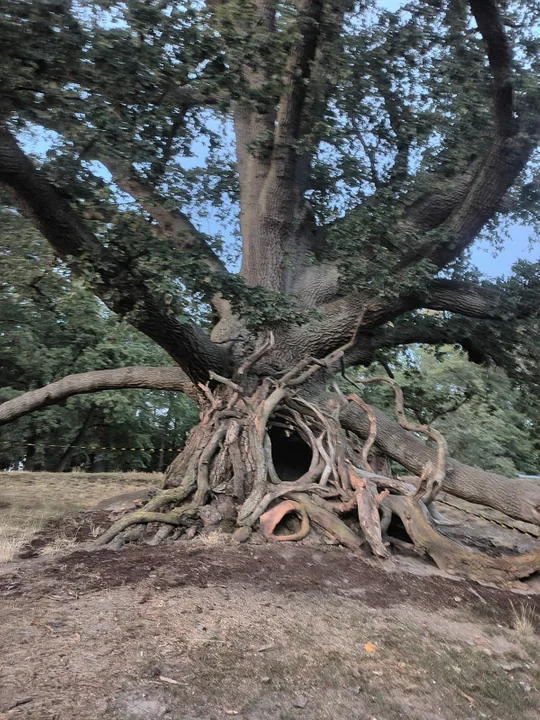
x,y
207,630
257,632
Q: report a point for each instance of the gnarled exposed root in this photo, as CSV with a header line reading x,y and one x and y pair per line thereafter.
x,y
226,478
458,559
432,478
271,519
368,514
329,522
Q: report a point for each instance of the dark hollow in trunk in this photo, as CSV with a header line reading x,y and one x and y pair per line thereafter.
x,y
271,461
290,454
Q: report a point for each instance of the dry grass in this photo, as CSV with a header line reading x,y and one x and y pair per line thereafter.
x,y
524,619
14,536
216,537
29,501
59,546
114,478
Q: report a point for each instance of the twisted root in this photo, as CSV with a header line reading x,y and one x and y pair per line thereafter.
x,y
271,519
229,454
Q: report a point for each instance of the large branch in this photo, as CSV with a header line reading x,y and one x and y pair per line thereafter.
x,y
150,378
340,317
416,330
254,124
511,147
491,27
119,285
463,298
292,102
456,212
171,225
518,498
429,329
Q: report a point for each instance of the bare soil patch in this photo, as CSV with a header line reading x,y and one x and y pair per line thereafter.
x,y
209,630
260,633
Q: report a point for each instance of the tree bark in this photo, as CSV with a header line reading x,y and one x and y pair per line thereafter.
x,y
120,285
518,498
72,448
150,378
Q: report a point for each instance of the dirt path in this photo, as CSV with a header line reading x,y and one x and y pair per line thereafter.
x,y
258,633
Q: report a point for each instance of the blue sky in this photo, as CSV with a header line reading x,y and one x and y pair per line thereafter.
x,y
516,247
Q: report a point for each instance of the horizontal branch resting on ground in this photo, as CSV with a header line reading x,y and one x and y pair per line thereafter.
x,y
515,497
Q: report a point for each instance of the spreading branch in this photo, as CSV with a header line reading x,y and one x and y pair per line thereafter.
x,y
421,330
173,225
463,298
72,239
505,159
146,377
518,498
491,26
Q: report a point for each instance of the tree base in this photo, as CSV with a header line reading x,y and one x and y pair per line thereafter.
x,y
226,479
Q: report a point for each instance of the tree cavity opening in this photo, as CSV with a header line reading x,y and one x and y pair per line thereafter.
x,y
291,455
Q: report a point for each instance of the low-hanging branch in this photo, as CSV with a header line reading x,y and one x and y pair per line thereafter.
x,y
71,238
150,378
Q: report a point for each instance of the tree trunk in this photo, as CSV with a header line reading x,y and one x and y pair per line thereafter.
x,y
30,464
67,456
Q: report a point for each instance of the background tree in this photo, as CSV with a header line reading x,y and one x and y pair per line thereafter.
x,y
51,326
363,151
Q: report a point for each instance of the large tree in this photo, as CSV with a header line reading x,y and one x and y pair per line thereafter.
x,y
351,156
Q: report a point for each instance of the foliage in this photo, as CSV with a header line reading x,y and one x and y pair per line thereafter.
x,y
154,84
128,108
50,327
485,418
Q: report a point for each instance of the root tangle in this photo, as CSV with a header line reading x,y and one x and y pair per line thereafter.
x,y
226,477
